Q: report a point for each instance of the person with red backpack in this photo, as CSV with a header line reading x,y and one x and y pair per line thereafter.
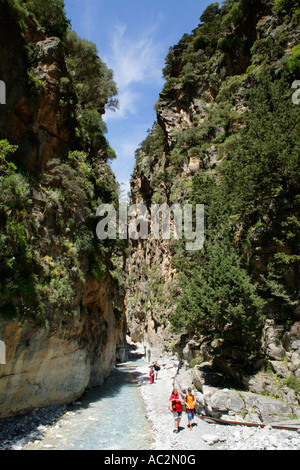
x,y
190,407
176,408
151,374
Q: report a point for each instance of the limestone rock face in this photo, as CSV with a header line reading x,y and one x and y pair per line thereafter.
x,y
34,117
55,366
184,146
74,349
41,369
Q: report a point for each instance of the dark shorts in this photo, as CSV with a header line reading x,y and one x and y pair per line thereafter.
x,y
177,414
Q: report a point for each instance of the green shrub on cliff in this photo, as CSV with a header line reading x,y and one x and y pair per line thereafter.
x,y
294,62
287,8
95,88
41,255
210,13
18,12
220,300
262,160
93,80
51,15
16,254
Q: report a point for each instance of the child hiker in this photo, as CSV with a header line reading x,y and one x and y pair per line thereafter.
x,y
151,375
190,407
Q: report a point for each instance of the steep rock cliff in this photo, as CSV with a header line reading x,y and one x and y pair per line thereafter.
x,y
237,301
60,305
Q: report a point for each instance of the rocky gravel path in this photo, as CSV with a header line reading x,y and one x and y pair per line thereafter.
x,y
19,432
204,436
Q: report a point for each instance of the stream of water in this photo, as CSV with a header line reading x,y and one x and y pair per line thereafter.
x,y
110,417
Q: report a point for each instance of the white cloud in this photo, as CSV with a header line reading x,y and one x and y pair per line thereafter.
x,y
127,99
135,59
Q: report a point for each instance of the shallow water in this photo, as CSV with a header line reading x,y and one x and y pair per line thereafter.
x,y
110,417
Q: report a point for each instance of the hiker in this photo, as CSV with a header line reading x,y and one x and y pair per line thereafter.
x,y
176,408
156,369
151,375
190,407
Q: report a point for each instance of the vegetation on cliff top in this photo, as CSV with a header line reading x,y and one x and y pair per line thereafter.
x,y
234,74
48,244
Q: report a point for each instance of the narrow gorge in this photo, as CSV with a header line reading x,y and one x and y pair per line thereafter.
x,y
226,136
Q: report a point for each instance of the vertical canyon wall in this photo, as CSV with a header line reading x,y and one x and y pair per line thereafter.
x,y
210,77
60,306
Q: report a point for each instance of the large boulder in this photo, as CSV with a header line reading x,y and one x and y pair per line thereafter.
x,y
242,406
214,397
203,374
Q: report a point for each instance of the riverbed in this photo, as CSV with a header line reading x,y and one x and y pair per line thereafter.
x,y
129,413
110,417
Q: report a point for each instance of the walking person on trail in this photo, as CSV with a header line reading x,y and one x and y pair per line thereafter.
x,y
156,369
190,407
151,375
176,408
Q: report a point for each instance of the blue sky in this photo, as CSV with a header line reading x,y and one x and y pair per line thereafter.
x,y
133,37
